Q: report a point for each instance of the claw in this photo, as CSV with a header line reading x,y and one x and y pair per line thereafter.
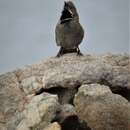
x,y
79,52
63,51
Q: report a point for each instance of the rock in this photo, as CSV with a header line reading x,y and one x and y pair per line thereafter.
x,y
22,126
71,71
101,109
11,98
39,112
2,127
58,76
65,95
31,84
65,111
53,126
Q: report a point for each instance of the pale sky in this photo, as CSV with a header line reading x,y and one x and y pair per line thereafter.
x,y
27,29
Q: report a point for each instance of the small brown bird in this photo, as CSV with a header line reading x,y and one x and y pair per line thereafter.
x,y
69,32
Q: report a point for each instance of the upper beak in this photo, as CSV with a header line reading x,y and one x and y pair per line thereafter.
x,y
65,6
65,3
70,12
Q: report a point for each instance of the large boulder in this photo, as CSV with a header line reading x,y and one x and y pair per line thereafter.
x,y
101,109
39,112
71,71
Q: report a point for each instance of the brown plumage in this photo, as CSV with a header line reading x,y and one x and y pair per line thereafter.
x,y
69,32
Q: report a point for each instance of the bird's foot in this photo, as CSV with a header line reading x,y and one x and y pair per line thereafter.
x,y
63,51
60,53
79,52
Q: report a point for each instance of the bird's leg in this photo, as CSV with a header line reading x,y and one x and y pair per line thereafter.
x,y
60,53
63,51
79,52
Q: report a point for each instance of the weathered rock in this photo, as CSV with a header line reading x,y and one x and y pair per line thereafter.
x,y
65,95
64,112
39,112
2,126
71,71
31,84
61,76
22,126
101,109
11,98
53,126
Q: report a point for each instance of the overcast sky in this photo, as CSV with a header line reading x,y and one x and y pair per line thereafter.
x,y
27,29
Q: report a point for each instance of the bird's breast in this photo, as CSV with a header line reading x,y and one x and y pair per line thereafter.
x,y
70,34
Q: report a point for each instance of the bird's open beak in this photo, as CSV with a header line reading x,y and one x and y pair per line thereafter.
x,y
70,12
67,14
65,5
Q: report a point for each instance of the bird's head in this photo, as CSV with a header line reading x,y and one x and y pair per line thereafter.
x,y
69,12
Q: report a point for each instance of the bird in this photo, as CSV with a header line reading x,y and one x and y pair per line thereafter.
x,y
68,32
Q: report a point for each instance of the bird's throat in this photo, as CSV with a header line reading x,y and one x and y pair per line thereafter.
x,y
65,20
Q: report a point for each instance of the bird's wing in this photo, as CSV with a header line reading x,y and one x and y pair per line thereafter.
x,y
57,35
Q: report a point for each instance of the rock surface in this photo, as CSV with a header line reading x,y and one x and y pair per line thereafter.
x,y
40,111
53,126
70,71
102,109
62,77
